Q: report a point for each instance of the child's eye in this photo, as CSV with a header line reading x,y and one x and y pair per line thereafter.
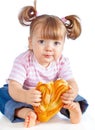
x,y
57,43
41,41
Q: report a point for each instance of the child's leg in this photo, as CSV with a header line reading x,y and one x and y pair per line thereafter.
x,y
27,114
75,112
4,97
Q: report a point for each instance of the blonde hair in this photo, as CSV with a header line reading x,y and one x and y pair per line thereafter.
x,y
52,27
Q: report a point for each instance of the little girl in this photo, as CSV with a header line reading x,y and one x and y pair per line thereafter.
x,y
44,62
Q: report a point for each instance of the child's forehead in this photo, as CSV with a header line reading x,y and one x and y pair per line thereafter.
x,y
48,31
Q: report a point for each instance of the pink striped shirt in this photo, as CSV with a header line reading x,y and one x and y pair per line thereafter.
x,y
28,72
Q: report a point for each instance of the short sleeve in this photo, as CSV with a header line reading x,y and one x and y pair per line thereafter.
x,y
65,71
18,72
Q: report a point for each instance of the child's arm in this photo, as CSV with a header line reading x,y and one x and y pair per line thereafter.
x,y
19,94
72,93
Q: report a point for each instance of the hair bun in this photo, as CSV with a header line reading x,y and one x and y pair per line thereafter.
x,y
27,14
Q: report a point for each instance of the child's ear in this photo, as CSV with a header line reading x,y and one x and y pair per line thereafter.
x,y
30,43
29,40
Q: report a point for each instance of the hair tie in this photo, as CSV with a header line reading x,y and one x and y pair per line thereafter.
x,y
64,19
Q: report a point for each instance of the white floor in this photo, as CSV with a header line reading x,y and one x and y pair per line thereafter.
x,y
58,122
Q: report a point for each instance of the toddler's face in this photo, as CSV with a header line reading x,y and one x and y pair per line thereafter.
x,y
46,50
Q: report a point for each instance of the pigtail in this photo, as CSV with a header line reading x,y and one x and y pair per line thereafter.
x,y
73,26
27,14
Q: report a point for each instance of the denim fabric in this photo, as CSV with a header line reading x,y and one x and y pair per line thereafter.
x,y
8,105
4,97
10,108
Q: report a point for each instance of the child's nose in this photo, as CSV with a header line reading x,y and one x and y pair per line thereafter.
x,y
49,47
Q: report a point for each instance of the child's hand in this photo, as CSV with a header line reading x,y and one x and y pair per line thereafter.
x,y
69,96
33,97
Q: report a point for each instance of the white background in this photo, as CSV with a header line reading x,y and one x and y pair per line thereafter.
x,y
14,38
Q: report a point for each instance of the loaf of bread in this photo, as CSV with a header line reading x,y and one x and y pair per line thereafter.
x,y
51,102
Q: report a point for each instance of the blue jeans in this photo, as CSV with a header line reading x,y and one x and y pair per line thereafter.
x,y
8,105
